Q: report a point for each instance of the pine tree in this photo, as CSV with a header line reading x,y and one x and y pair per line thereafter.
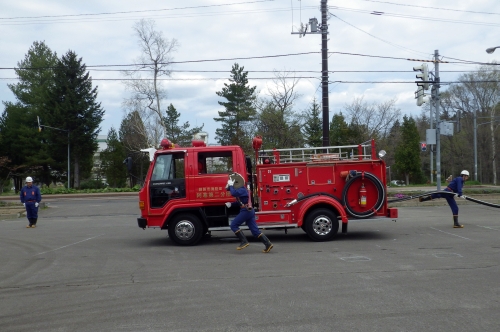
x,y
313,126
73,106
181,135
112,161
407,156
26,148
339,130
239,108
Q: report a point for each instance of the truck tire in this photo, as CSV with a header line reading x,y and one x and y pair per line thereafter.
x,y
185,229
321,224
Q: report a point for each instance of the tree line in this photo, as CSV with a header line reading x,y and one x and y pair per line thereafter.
x,y
59,92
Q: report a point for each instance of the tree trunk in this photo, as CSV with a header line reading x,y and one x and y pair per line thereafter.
x,y
76,174
493,153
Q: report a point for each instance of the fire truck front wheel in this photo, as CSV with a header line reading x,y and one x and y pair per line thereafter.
x,y
185,229
321,225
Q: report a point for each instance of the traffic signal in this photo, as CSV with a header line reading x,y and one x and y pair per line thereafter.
x,y
424,75
423,146
420,96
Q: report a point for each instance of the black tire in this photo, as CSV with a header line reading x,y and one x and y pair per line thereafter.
x,y
185,229
321,225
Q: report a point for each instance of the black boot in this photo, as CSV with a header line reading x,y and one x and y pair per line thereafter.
x,y
30,220
33,223
455,223
244,243
425,198
266,242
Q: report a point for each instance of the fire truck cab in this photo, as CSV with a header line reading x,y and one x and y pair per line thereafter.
x,y
317,189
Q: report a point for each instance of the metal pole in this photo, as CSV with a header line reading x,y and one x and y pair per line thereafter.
x,y
69,177
324,73
430,146
438,121
475,146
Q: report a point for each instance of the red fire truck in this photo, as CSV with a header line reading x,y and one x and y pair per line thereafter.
x,y
316,189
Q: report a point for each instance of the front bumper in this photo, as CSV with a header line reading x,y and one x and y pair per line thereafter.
x,y
142,222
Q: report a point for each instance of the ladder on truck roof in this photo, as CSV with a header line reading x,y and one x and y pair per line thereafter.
x,y
363,151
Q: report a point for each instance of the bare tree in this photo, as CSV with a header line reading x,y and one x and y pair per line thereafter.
x,y
479,92
378,118
276,121
154,62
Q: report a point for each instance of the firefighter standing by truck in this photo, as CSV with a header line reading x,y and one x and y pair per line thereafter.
x,y
236,185
30,197
455,186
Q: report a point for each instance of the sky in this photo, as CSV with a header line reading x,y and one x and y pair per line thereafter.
x,y
364,36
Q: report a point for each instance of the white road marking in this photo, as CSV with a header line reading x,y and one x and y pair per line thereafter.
x,y
72,244
450,233
489,228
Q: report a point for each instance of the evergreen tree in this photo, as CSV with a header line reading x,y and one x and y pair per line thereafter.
x,y
73,106
239,108
133,136
24,146
279,128
313,126
112,161
181,135
339,130
407,156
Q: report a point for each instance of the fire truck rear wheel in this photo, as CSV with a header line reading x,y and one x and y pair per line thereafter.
x,y
321,225
185,229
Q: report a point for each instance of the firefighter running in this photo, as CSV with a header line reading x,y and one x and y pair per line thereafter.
x,y
236,185
455,186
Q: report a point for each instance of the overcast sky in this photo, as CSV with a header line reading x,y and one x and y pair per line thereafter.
x,y
101,33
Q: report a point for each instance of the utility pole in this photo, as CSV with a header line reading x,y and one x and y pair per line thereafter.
x,y
431,151
313,25
435,99
324,73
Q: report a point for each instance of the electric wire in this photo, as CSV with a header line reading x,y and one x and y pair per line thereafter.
x,y
134,11
428,7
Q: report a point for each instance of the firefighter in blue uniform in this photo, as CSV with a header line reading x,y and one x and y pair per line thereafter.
x,y
236,185
455,186
30,197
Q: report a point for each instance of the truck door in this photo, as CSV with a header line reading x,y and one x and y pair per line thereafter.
x,y
168,179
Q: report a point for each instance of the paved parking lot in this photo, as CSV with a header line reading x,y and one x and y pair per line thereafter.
x,y
88,267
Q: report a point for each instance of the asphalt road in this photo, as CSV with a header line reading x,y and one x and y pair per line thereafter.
x,y
88,267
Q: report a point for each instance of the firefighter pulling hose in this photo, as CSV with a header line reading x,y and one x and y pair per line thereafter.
x,y
454,189
478,201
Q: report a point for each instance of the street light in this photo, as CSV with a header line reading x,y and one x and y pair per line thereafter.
x,y
491,49
40,127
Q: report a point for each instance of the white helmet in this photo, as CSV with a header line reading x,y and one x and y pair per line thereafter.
x,y
464,172
29,179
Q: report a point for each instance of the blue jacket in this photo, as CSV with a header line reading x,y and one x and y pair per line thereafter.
x,y
30,194
240,193
456,185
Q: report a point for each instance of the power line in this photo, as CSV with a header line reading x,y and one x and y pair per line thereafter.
x,y
382,40
382,14
438,8
132,11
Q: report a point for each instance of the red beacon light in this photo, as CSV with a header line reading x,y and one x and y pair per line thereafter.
x,y
166,144
198,143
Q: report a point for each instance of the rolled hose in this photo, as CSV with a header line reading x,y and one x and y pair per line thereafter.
x,y
380,190
444,192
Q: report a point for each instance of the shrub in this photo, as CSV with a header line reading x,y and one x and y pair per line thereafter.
x,y
92,184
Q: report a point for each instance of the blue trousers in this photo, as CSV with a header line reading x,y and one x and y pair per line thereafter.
x,y
450,199
249,218
31,210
